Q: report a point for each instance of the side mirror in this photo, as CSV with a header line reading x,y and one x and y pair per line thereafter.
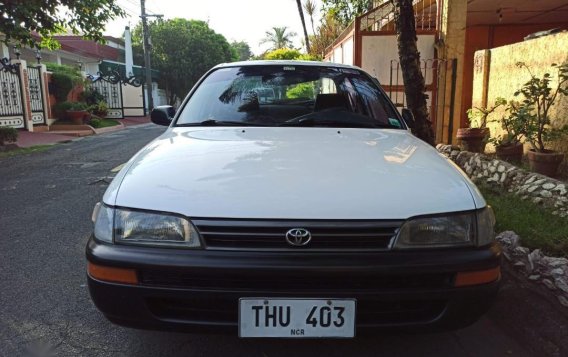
x,y
163,115
408,118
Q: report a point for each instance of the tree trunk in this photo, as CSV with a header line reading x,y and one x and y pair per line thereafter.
x,y
414,85
301,11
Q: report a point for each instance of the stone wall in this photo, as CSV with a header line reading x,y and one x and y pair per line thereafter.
x,y
540,189
551,272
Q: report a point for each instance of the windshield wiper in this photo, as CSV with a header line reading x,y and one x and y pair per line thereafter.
x,y
214,122
310,121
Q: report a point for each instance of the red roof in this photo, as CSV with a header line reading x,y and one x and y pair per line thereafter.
x,y
88,48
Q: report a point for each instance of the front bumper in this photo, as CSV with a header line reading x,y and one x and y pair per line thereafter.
x,y
198,290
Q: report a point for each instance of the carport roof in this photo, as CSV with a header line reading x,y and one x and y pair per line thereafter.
x,y
495,12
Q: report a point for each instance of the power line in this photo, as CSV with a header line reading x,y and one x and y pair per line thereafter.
x,y
137,7
129,10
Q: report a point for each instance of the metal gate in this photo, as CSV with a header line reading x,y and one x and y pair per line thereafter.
x,y
11,105
112,92
121,101
36,95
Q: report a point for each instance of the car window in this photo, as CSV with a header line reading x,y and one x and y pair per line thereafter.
x,y
272,95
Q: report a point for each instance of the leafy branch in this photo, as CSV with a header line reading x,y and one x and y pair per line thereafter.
x,y
539,98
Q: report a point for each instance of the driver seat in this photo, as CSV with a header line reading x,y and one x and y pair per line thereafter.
x,y
330,100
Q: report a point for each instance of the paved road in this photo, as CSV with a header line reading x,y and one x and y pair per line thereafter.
x,y
45,205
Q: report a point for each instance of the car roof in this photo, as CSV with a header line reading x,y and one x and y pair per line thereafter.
x,y
285,63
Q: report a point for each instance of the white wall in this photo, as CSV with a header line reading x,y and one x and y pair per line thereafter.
x,y
344,53
378,51
348,52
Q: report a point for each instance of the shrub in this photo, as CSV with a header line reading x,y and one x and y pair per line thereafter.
x,y
64,79
99,109
8,135
512,125
477,117
60,109
95,123
78,106
539,97
288,54
92,96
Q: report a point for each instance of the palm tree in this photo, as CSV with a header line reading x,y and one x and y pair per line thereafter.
x,y
279,37
307,39
310,7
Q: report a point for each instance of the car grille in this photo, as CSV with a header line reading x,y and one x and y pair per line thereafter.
x,y
294,282
271,235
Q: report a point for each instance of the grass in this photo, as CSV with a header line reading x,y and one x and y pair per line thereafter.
x,y
106,123
537,226
21,151
101,123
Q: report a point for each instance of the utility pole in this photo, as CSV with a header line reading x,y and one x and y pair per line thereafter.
x,y
147,49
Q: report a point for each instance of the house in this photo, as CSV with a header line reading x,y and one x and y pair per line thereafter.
x,y
25,100
449,34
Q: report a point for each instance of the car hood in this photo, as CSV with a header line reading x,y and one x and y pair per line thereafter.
x,y
293,173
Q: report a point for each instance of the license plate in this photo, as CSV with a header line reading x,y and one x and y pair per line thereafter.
x,y
297,318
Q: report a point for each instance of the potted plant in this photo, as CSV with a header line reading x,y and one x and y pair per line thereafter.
x,y
537,127
77,112
508,146
60,110
476,136
99,109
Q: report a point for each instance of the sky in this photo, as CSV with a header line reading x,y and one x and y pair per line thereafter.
x,y
239,20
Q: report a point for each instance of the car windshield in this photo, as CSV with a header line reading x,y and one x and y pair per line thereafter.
x,y
289,95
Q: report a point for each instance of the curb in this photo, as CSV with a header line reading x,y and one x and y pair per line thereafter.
x,y
109,129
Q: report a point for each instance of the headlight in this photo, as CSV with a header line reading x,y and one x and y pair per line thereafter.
x,y
463,229
144,228
485,226
103,217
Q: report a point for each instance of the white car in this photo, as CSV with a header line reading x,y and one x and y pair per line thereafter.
x,y
313,212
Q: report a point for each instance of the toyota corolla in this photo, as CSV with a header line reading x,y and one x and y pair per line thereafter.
x,y
290,199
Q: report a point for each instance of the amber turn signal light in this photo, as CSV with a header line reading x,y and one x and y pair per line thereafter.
x,y
114,275
469,278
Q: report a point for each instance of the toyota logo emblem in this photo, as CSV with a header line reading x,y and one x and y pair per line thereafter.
x,y
298,237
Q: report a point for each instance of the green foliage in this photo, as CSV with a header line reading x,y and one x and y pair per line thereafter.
x,y
538,98
328,30
302,90
64,79
22,17
345,11
95,123
8,135
279,37
477,117
242,50
102,122
60,109
283,54
288,54
22,151
78,106
99,109
183,50
512,125
310,8
91,96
